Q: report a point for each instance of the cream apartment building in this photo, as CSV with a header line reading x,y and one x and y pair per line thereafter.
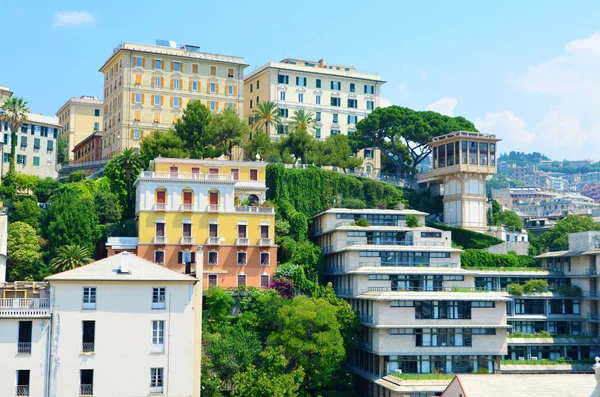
x,y
36,146
419,309
5,93
337,95
80,118
147,87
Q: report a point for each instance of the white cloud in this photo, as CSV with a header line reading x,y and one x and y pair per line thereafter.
x,y
384,102
507,126
572,83
73,18
444,105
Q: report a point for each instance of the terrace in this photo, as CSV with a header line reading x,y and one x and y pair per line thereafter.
x,y
24,307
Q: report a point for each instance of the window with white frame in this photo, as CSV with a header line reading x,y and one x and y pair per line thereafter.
x,y
136,134
138,98
264,281
282,95
158,297
300,97
159,257
156,100
230,89
212,280
265,259
194,86
89,297
157,82
158,334
176,84
177,66
213,257
213,88
241,280
318,99
242,258
156,380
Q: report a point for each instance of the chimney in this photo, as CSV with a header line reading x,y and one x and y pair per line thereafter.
x,y
596,368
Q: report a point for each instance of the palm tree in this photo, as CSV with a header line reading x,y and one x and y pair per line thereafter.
x,y
303,120
70,257
14,111
265,115
128,161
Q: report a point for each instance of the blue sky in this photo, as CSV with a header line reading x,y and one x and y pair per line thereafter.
x,y
528,71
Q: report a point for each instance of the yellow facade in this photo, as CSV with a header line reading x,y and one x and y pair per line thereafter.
x,y
79,118
147,87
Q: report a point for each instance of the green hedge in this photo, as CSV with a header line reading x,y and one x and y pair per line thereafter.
x,y
475,258
468,239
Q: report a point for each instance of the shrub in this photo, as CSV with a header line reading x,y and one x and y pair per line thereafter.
x,y
534,286
570,290
412,220
482,370
467,238
353,203
362,222
475,258
516,289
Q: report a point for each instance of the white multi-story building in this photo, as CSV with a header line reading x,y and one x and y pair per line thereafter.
x,y
121,326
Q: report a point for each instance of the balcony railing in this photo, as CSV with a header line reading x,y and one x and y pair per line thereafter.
x,y
255,210
593,316
160,239
242,241
407,264
397,242
24,307
213,240
24,348
213,208
86,390
265,241
160,206
187,207
155,389
87,347
22,390
186,176
589,271
187,240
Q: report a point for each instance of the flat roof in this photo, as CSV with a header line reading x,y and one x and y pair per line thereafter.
x,y
350,74
373,211
432,296
441,270
84,100
255,164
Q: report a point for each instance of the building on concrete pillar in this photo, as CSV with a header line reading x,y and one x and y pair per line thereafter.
x,y
461,162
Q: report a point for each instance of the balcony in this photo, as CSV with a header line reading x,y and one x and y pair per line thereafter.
x,y
593,317
22,390
407,264
187,240
265,242
213,208
24,307
242,241
213,241
24,348
591,271
86,390
87,348
254,210
187,207
160,239
160,206
186,176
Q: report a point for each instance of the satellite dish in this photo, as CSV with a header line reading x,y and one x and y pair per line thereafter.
x,y
257,156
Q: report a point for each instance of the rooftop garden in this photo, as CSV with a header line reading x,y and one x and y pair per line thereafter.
x,y
562,360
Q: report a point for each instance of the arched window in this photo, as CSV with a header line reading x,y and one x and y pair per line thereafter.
x,y
253,199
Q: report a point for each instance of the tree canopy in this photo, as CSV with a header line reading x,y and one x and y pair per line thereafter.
x,y
24,253
557,237
162,144
508,218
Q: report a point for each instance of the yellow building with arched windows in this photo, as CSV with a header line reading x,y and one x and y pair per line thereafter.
x,y
207,217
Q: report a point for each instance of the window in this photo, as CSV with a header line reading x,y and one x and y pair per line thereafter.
x,y
428,337
230,72
139,62
158,64
257,100
158,335
176,66
250,103
352,87
86,382
301,81
156,380
317,133
368,153
335,118
96,126
212,280
213,257
138,97
194,86
283,113
230,89
264,281
336,85
265,259
36,161
431,234
136,134
23,142
352,120
23,379
336,101
213,70
88,336
24,343
401,304
334,132
369,89
97,112
318,83
159,297
195,68
213,105
300,97
159,257
157,100
353,103
283,79
318,116
89,297
442,310
250,87
157,82
213,88
402,331
50,146
254,175
257,84
176,84
241,280
282,96
486,304
242,258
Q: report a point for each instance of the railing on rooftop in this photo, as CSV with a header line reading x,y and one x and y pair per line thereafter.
x,y
409,243
24,307
407,264
255,210
186,176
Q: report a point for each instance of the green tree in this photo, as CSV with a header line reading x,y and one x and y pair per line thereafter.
x,y
107,207
412,221
218,304
26,210
62,150
303,120
70,220
46,188
132,164
70,257
557,237
77,176
310,335
14,111
23,250
228,130
261,144
394,129
301,145
193,127
508,218
162,144
265,116
272,379
337,152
